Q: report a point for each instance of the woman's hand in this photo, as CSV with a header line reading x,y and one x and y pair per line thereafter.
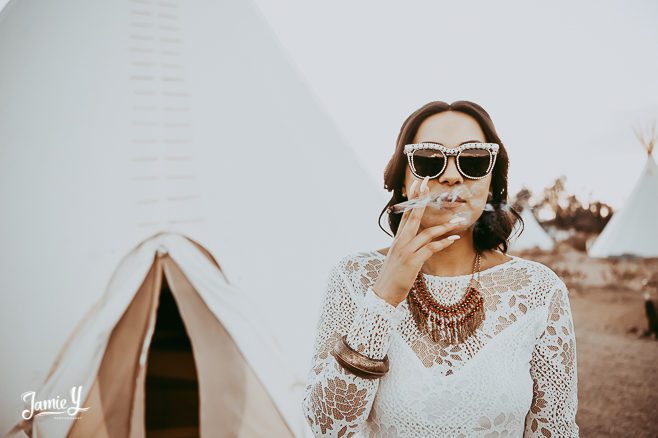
x,y
410,250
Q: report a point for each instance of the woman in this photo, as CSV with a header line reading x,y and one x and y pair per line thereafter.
x,y
442,334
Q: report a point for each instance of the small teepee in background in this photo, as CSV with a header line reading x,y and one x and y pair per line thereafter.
x,y
632,230
533,235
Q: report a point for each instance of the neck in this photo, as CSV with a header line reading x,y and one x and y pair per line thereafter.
x,y
456,259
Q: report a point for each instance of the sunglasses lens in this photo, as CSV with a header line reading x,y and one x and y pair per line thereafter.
x,y
428,162
475,162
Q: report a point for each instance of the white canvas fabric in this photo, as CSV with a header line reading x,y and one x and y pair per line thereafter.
x,y
533,235
244,380
122,119
632,229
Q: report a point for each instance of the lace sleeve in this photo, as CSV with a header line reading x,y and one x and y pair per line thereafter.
x,y
554,373
336,402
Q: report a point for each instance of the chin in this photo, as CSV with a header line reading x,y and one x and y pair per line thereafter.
x,y
445,215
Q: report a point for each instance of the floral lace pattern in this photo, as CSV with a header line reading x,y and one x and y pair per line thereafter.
x,y
515,377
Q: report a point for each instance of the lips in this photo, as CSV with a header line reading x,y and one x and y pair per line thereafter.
x,y
447,198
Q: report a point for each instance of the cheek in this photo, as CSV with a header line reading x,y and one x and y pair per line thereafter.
x,y
480,193
409,179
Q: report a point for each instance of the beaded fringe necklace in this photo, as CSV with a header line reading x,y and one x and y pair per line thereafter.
x,y
451,324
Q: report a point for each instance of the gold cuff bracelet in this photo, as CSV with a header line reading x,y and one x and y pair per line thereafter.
x,y
357,363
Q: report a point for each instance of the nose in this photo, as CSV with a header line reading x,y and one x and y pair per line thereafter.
x,y
451,174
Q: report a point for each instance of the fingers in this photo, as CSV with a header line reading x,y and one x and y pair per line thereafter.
x,y
428,250
431,233
413,222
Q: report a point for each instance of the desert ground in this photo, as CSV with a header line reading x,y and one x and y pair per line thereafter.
x,y
617,364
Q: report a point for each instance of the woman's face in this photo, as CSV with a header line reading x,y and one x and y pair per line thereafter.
x,y
451,128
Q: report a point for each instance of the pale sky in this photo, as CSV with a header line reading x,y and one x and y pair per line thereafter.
x,y
563,81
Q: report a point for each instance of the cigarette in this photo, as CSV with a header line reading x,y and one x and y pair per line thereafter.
x,y
401,207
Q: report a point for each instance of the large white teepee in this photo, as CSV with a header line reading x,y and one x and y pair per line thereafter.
x,y
632,229
124,119
533,235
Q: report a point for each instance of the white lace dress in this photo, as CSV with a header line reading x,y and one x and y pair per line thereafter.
x,y
516,377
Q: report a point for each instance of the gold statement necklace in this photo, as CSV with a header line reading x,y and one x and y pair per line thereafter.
x,y
451,324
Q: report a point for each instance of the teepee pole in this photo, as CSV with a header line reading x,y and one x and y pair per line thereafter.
x,y
647,140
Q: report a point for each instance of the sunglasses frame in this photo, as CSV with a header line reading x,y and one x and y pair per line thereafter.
x,y
409,150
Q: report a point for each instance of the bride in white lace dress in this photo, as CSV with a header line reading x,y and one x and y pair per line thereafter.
x,y
510,373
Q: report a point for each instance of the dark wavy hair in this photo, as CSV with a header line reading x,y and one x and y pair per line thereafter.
x,y
493,228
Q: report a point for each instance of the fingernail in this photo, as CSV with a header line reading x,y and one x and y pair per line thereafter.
x,y
453,237
457,219
413,186
423,185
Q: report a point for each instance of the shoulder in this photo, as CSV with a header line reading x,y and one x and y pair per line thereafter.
x,y
545,283
358,258
359,268
542,271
